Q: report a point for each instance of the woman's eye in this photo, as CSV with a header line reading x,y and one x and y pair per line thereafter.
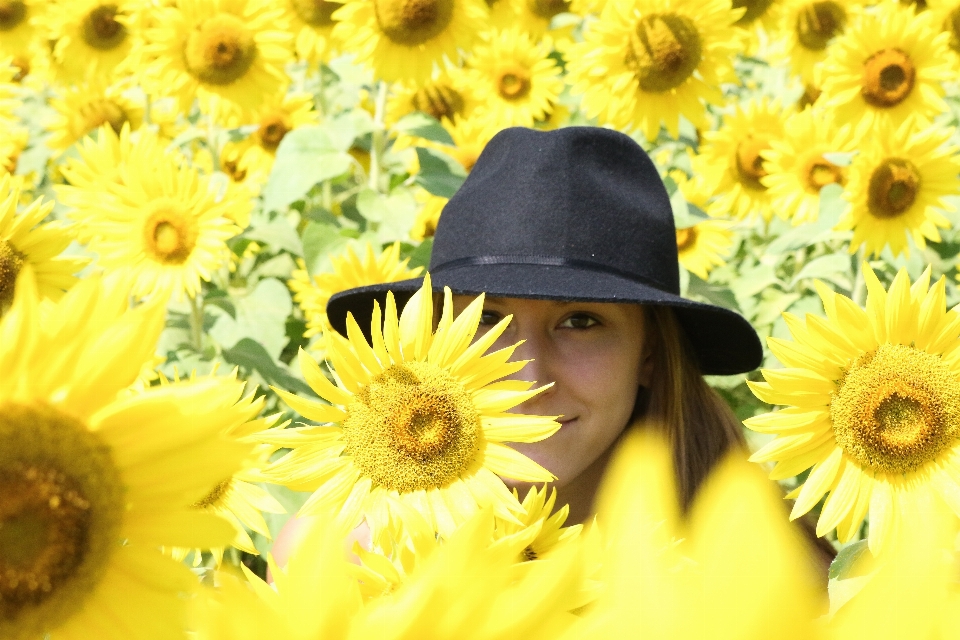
x,y
579,321
490,317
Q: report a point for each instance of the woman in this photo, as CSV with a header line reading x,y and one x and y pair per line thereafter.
x,y
571,231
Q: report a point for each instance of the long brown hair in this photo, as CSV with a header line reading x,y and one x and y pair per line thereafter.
x,y
699,424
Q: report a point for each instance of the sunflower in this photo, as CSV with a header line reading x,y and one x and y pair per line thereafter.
x,y
449,96
26,240
731,160
947,16
311,21
796,167
94,483
873,404
164,224
404,39
538,514
888,66
533,17
649,62
897,182
425,224
82,109
703,246
809,26
516,83
93,38
18,26
275,119
470,137
10,149
417,418
347,272
228,53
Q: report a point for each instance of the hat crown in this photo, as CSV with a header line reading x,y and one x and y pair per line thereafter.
x,y
579,196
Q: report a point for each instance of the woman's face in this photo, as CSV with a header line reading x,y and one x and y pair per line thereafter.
x,y
596,356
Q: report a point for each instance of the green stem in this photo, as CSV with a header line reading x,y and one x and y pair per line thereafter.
x,y
859,293
327,196
212,143
378,139
196,322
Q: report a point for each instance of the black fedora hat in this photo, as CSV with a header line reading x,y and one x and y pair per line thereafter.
x,y
578,213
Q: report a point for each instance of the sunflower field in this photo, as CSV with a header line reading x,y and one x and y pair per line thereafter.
x,y
184,184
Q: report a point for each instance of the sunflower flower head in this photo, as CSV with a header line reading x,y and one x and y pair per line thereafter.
x,y
703,246
872,401
311,22
95,481
418,416
82,109
93,38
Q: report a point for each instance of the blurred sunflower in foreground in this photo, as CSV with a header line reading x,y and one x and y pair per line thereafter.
x,y
888,66
404,39
228,53
646,63
26,240
796,166
897,182
731,160
94,483
418,417
872,406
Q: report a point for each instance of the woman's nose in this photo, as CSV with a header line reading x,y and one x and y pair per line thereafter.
x,y
538,369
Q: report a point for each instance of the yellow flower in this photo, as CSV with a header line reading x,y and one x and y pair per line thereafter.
x,y
312,23
732,569
347,272
887,66
809,26
873,405
11,147
470,137
93,38
228,53
534,16
84,108
447,97
897,182
94,483
516,83
539,519
418,417
26,240
731,160
425,224
646,63
164,225
404,39
703,246
796,167
275,119
18,24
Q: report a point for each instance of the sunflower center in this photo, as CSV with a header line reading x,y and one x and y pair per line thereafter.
x,y
888,78
232,169
214,498
665,50
413,427
11,261
413,22
101,111
546,9
896,409
893,189
440,101
271,132
60,513
169,236
951,25
12,14
100,28
686,238
818,23
529,554
221,50
513,83
754,9
316,13
750,162
820,172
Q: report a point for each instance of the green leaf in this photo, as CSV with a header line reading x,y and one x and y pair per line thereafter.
x,y
834,267
439,174
305,157
261,315
320,241
277,234
845,562
420,257
831,206
250,354
423,126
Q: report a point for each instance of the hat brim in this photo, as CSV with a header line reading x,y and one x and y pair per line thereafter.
x,y
723,341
